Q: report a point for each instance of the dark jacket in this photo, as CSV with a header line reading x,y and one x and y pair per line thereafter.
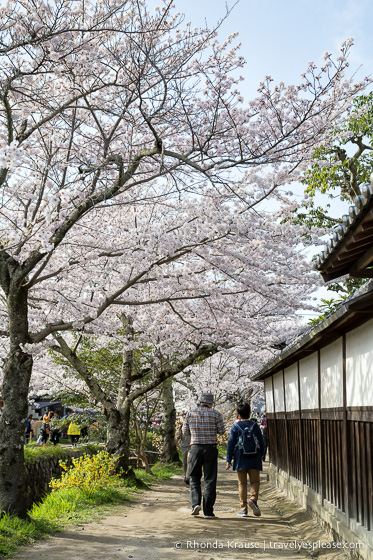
x,y
243,462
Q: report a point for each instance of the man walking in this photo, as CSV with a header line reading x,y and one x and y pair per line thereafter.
x,y
203,424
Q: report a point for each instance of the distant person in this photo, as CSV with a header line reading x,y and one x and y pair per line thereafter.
x,y
28,430
84,430
203,424
185,450
65,424
55,429
246,446
74,432
45,429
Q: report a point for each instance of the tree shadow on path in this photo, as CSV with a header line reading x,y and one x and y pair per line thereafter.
x,y
160,526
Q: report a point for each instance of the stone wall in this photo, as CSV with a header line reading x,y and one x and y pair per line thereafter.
x,y
356,538
42,469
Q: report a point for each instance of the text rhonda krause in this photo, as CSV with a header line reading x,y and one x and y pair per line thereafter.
x,y
193,544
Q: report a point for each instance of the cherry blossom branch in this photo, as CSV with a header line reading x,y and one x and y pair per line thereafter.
x,y
204,352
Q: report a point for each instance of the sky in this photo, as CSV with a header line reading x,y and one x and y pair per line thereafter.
x,y
280,38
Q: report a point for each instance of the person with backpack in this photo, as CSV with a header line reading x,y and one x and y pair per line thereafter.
x,y
246,448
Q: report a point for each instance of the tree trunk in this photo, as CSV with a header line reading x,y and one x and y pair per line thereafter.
x,y
143,458
140,447
118,436
169,450
17,373
119,417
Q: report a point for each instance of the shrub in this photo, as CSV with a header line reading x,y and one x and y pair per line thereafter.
x,y
154,442
88,473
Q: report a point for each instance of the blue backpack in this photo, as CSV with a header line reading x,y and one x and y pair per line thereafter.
x,y
248,443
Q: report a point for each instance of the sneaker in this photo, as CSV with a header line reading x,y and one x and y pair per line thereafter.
x,y
212,516
243,512
254,506
196,510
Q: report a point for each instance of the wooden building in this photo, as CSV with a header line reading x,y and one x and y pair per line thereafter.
x,y
319,398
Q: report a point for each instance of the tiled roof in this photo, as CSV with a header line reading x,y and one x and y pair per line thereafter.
x,y
354,310
350,249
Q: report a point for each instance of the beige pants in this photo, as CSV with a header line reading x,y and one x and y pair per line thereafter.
x,y
254,476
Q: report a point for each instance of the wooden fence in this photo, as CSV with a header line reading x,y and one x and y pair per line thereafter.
x,y
329,450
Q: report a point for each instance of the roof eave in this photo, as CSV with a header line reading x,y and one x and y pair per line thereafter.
x,y
309,342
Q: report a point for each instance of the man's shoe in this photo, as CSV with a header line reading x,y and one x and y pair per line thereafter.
x,y
212,516
196,510
243,512
254,506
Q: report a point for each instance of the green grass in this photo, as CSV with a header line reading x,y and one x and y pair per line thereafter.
x,y
33,452
160,472
222,451
16,532
72,507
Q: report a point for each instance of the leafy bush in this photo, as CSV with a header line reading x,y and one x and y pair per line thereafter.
x,y
88,473
154,442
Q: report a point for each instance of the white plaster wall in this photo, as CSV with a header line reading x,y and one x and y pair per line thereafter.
x,y
291,388
268,394
278,386
331,375
309,383
359,365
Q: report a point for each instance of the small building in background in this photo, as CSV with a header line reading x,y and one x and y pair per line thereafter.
x,y
38,406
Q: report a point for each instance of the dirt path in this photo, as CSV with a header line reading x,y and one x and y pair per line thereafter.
x,y
159,526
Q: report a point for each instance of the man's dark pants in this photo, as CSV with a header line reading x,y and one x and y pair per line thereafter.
x,y
203,457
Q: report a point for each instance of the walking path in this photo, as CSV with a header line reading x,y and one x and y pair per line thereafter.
x,y
159,526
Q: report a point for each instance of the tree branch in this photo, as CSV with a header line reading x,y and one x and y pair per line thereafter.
x,y
205,351
92,383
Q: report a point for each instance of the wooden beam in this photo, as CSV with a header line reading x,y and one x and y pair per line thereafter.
x,y
367,273
345,435
302,469
273,457
321,433
286,426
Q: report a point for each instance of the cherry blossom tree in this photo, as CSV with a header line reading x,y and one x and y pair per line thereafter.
x,y
226,375
131,178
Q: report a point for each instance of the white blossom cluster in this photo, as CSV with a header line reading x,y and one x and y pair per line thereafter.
x,y
132,173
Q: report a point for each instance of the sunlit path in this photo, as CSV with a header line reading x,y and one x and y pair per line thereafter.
x,y
160,526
